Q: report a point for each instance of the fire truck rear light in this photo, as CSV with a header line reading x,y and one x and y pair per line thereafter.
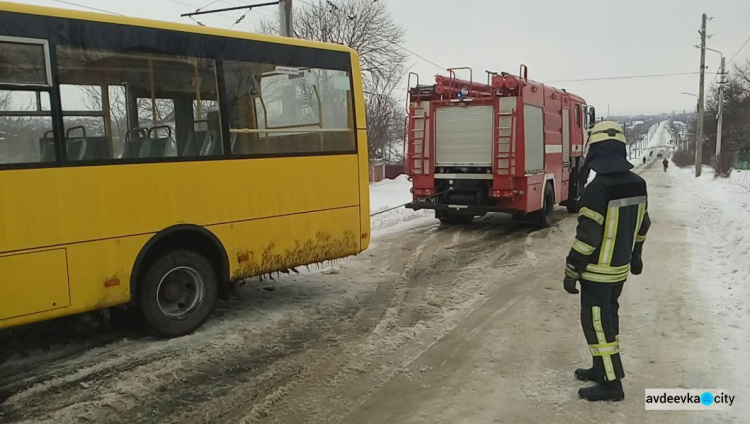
x,y
501,193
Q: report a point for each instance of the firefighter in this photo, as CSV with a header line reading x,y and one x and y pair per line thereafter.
x,y
612,226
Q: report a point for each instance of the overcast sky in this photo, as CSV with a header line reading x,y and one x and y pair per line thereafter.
x,y
558,40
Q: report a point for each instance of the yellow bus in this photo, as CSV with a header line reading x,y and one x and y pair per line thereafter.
x,y
149,163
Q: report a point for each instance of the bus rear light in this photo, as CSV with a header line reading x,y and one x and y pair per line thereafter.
x,y
365,235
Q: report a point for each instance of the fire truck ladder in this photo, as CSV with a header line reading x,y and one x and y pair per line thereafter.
x,y
418,119
505,156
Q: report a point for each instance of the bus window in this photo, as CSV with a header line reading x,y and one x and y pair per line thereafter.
x,y
154,111
275,110
25,127
25,116
23,62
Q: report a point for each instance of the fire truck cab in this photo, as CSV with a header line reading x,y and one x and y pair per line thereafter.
x,y
511,145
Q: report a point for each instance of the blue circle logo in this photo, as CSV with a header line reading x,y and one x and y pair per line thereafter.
x,y
707,398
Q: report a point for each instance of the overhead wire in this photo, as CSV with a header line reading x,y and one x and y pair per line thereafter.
x,y
626,77
740,49
88,7
413,53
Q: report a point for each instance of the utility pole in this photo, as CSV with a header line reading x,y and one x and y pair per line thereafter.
x,y
720,118
286,24
699,136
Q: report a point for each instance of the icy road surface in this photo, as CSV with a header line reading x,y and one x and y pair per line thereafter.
x,y
433,324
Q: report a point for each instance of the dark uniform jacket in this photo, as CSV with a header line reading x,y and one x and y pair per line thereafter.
x,y
612,225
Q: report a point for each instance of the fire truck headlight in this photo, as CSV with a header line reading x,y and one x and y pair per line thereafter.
x,y
465,91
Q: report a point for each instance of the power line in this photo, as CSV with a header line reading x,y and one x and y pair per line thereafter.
x,y
236,3
740,49
627,77
88,7
213,2
418,55
229,9
391,42
220,15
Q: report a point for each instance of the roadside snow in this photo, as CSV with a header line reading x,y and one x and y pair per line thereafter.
x,y
389,194
720,240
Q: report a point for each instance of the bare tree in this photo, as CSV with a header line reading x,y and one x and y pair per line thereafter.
x,y
736,127
368,28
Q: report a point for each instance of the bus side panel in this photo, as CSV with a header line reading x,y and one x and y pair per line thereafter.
x,y
32,283
78,204
277,244
99,275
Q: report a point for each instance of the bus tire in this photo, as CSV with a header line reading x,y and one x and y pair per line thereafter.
x,y
177,293
544,216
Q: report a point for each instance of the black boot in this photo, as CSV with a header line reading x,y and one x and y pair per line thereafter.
x,y
585,374
609,390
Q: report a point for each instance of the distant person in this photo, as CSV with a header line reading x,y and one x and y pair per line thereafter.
x,y
612,226
651,154
644,160
665,162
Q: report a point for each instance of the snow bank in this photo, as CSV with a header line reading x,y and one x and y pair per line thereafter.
x,y
721,211
392,194
389,193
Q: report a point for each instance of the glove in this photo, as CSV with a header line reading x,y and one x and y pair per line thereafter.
x,y
636,265
570,285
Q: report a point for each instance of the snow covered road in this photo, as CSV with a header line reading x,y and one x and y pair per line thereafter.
x,y
433,324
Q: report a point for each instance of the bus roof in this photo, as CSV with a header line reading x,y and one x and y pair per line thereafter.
x,y
149,23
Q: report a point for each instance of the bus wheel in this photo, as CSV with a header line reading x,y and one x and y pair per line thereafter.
x,y
544,217
177,293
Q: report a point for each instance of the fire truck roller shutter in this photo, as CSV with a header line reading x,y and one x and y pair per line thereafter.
x,y
533,117
463,136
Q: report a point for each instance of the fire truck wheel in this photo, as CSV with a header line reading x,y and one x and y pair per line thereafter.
x,y
544,218
572,205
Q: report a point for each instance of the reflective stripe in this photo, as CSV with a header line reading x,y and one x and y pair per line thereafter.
x,y
609,369
641,214
572,273
602,278
613,218
609,270
592,215
629,201
604,349
583,248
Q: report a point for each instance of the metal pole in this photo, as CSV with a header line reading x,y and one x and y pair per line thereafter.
x,y
721,114
286,27
701,87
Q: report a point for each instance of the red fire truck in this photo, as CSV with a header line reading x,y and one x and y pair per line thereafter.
x,y
511,145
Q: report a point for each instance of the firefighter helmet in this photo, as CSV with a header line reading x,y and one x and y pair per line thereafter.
x,y
606,130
